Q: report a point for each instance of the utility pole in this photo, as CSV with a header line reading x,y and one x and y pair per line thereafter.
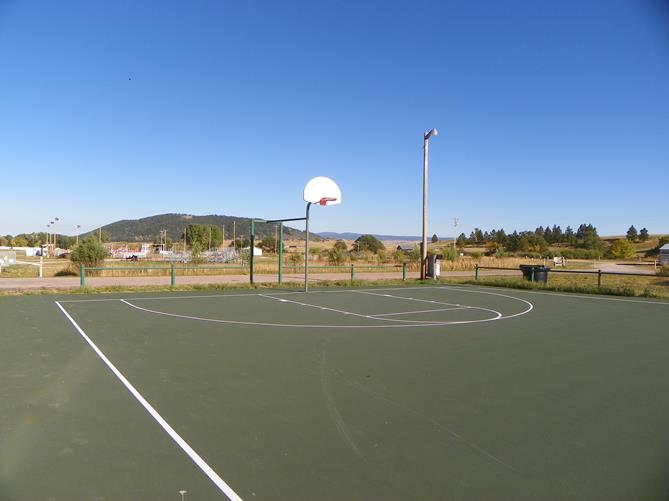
x,y
234,235
455,233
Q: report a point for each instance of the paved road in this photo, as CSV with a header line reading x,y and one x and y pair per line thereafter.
x,y
17,284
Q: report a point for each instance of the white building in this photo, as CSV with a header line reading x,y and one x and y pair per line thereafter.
x,y
29,251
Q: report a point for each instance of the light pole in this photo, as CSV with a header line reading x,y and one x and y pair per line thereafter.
x,y
55,235
53,231
78,226
423,257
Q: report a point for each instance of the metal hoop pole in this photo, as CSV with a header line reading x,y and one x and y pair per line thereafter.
x,y
306,251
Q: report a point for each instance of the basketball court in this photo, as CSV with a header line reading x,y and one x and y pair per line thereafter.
x,y
423,392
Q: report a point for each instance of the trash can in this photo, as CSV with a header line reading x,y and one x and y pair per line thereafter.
x,y
434,265
534,273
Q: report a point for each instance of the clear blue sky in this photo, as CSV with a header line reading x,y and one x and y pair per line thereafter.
x,y
548,112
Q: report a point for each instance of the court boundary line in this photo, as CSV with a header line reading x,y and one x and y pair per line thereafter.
x,y
598,297
192,454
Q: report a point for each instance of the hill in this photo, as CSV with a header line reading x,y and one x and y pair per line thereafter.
x,y
148,229
352,236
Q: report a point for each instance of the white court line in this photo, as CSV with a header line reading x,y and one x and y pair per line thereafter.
x,y
197,459
405,324
411,299
374,317
419,311
269,324
344,312
497,314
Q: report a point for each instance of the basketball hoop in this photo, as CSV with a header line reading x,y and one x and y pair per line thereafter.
x,y
325,200
322,191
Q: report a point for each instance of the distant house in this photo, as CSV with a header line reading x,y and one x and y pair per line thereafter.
x,y
405,248
257,251
664,255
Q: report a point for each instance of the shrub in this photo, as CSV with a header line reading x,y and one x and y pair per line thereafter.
x,y
449,254
368,243
89,252
622,249
340,245
336,256
196,254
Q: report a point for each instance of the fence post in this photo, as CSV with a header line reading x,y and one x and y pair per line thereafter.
x,y
476,272
599,278
82,276
173,276
404,272
352,273
532,275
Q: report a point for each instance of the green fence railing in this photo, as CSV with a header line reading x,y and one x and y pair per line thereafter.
x,y
599,273
173,270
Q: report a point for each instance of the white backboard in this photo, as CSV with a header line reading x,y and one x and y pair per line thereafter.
x,y
322,189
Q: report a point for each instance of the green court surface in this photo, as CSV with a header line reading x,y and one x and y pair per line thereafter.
x,y
398,393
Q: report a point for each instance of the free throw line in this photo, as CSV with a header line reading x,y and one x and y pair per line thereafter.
x,y
206,469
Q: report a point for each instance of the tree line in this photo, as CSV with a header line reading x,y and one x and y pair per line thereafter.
x,y
584,237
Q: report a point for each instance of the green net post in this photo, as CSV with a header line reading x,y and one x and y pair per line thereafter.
x,y
82,276
476,272
173,276
280,253
404,272
352,273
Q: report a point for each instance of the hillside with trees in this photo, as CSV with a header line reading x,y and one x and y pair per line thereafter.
x,y
148,228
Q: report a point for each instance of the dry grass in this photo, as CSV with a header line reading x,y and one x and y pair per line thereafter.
x,y
635,286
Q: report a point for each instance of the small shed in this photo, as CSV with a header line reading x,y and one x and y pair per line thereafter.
x,y
664,255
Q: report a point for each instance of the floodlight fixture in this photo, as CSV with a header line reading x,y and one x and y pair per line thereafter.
x,y
430,133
